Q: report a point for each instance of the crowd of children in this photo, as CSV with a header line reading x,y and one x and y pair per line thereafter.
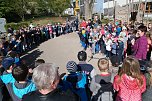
x,y
130,84
82,83
114,40
26,38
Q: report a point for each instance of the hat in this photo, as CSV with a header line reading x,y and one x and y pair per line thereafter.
x,y
71,66
7,62
124,28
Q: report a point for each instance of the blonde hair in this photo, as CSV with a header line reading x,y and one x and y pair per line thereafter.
x,y
103,64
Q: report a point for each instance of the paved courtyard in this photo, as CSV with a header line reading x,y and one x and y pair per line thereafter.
x,y
60,50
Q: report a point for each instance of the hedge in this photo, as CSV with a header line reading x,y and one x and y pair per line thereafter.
x,y
105,21
16,26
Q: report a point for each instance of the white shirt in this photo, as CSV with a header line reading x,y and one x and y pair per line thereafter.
x,y
108,44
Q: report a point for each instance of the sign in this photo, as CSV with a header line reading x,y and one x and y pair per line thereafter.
x,y
2,24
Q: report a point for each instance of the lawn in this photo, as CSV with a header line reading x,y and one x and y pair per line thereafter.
x,y
46,20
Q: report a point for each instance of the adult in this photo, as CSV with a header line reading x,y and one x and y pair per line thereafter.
x,y
140,45
46,79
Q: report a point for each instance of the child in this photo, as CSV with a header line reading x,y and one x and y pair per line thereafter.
x,y
108,44
76,80
147,94
129,83
15,79
22,85
16,57
88,69
38,62
101,85
1,83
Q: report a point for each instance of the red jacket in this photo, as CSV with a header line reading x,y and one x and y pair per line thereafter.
x,y
128,88
83,24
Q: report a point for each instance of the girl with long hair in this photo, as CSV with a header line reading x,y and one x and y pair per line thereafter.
x,y
130,83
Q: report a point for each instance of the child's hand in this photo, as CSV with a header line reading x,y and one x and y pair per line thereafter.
x,y
133,41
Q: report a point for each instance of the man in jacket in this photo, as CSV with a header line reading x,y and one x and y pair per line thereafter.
x,y
46,79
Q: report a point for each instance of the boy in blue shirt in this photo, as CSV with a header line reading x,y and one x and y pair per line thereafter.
x,y
15,79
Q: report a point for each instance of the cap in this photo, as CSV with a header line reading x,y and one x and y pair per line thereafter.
x,y
7,62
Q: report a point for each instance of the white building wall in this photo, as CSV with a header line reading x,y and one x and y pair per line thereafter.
x,y
105,5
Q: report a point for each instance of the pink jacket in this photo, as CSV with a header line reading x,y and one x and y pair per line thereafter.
x,y
128,88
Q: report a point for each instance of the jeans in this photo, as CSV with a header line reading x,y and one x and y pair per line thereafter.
x,y
108,53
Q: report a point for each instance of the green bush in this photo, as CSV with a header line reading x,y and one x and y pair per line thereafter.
x,y
105,21
16,26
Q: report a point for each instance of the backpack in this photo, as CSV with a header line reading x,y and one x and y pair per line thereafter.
x,y
77,83
102,93
73,80
103,90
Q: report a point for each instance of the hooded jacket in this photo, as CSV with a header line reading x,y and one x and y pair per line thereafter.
x,y
128,88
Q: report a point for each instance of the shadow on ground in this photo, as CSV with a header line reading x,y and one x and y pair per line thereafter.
x,y
29,58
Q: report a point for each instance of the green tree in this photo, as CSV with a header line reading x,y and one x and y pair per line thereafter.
x,y
53,6
24,7
21,7
58,6
5,7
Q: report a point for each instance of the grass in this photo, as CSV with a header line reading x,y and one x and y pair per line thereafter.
x,y
46,20
41,21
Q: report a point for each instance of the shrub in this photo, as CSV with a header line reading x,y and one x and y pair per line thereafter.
x,y
16,26
105,21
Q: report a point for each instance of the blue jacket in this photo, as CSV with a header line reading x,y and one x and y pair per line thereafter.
x,y
15,89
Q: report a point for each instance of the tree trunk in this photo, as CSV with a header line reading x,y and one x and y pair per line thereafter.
x,y
23,18
87,9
